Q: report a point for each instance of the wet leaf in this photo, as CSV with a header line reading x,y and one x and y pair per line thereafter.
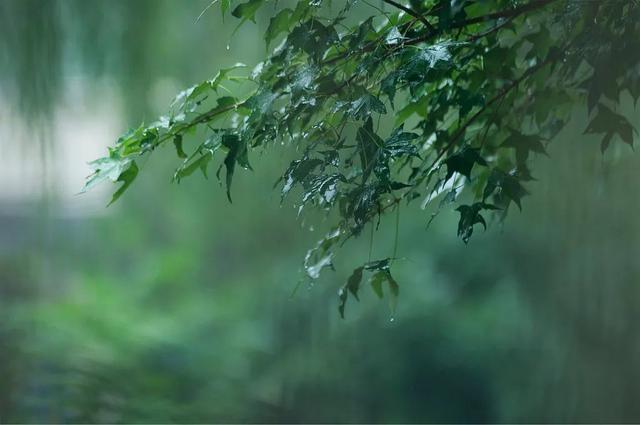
x,y
278,25
126,177
463,162
610,123
320,256
352,286
470,216
247,11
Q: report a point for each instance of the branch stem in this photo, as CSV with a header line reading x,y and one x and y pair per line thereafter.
x,y
413,13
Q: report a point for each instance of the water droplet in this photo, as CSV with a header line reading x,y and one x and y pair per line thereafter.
x,y
228,47
392,319
311,229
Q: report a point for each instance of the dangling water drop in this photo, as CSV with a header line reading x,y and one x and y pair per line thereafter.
x,y
228,47
392,319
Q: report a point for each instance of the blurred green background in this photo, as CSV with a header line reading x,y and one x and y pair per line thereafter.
x,y
175,306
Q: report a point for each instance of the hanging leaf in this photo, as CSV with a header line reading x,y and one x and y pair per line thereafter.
x,y
463,162
278,25
507,186
177,142
353,286
470,216
608,122
524,144
126,177
380,277
247,11
362,107
109,168
237,153
320,256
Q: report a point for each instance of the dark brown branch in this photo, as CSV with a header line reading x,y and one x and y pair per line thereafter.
x,y
433,33
509,13
413,13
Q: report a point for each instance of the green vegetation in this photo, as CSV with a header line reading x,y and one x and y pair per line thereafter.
x,y
174,305
467,88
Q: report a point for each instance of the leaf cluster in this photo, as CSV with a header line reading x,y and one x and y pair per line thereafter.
x,y
472,91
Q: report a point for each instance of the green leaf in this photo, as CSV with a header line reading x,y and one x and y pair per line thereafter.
x,y
199,159
418,107
260,104
320,256
401,143
277,25
223,74
188,100
608,122
312,37
303,82
323,189
378,279
362,107
432,56
108,168
365,29
200,163
353,286
247,11
524,144
237,153
470,216
297,172
314,269
369,147
363,202
463,162
177,142
393,37
126,177
507,185
224,6
382,275
417,63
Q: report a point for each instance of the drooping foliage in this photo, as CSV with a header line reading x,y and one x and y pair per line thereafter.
x,y
471,89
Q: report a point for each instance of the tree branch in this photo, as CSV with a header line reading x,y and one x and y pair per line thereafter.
x,y
413,13
434,32
462,129
509,13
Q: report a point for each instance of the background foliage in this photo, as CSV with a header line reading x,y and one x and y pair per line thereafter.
x,y
176,306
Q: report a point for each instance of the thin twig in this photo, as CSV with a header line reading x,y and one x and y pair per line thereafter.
x,y
205,10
